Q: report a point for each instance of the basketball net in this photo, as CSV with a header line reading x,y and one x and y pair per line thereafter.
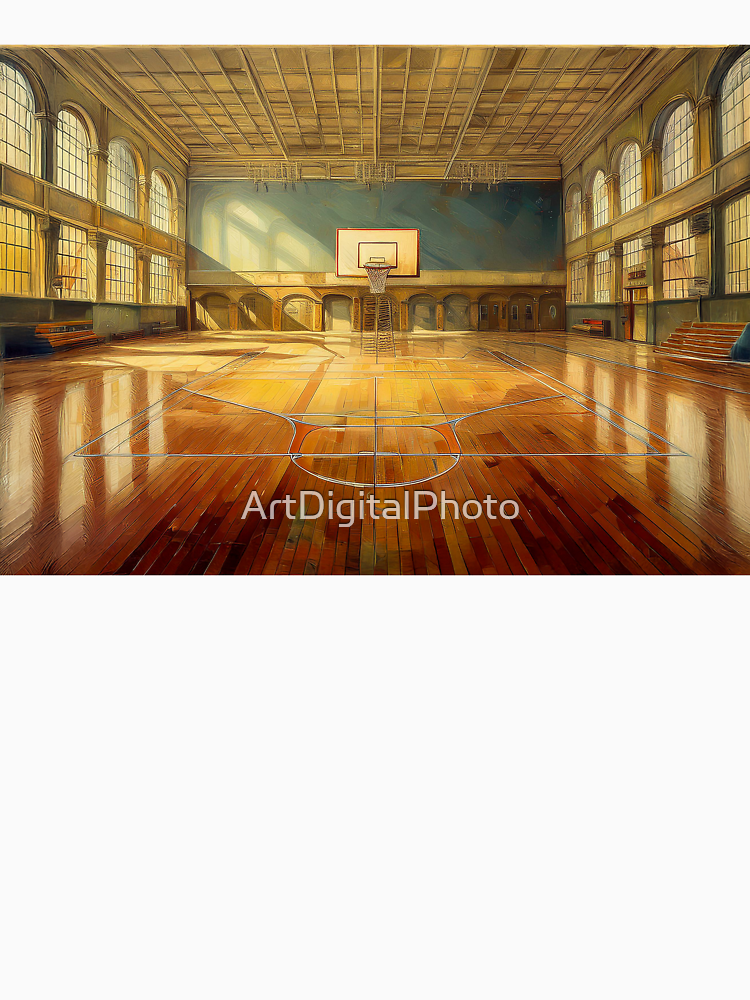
x,y
377,274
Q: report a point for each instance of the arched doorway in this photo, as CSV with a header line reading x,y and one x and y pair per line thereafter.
x,y
298,313
212,312
422,313
521,312
551,312
338,312
493,312
457,315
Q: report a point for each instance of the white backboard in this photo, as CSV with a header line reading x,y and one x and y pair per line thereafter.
x,y
398,247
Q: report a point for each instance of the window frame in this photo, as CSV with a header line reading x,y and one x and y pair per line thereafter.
x,y
599,198
116,170
685,170
737,64
742,244
29,128
165,285
84,179
123,264
579,266
80,288
633,197
602,266
161,178
13,252
681,283
573,232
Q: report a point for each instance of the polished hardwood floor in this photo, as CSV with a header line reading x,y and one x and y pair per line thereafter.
x,y
140,458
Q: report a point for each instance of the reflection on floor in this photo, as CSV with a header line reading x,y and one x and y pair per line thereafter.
x,y
140,458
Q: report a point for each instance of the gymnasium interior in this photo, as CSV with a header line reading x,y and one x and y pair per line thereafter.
x,y
187,318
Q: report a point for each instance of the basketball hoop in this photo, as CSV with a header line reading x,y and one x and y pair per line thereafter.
x,y
377,273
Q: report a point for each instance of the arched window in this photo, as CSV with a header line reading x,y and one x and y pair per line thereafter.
x,y
734,114
677,147
121,179
600,198
160,203
72,153
16,119
574,225
630,178
160,281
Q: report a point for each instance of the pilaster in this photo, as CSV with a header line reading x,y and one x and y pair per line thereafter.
x,y
653,244
98,160
97,260
49,230
651,169
588,295
47,123
700,230
440,316
615,272
144,197
143,275
613,194
703,134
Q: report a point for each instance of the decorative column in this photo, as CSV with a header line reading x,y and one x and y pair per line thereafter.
x,y
144,197
318,317
277,308
615,272
356,314
143,275
703,132
653,244
47,123
474,314
234,315
50,232
613,194
98,160
440,316
651,167
177,282
178,217
587,213
404,315
97,268
588,295
700,230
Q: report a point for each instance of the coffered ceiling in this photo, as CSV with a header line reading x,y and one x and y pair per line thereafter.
x,y
422,110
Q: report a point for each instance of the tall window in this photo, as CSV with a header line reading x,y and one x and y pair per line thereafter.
x,y
679,259
735,106
120,272
72,154
600,199
602,276
577,281
161,285
633,254
737,244
15,251
121,179
159,203
630,178
16,119
72,262
677,148
573,206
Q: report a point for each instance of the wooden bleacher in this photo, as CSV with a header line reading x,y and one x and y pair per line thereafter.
x,y
702,344
597,327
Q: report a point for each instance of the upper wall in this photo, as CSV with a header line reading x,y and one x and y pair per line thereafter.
x,y
516,227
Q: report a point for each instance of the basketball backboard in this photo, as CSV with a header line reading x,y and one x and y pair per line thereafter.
x,y
357,247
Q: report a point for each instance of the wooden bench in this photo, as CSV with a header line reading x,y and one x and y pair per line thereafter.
x,y
597,327
63,335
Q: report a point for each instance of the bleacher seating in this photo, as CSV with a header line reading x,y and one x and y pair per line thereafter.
x,y
702,343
